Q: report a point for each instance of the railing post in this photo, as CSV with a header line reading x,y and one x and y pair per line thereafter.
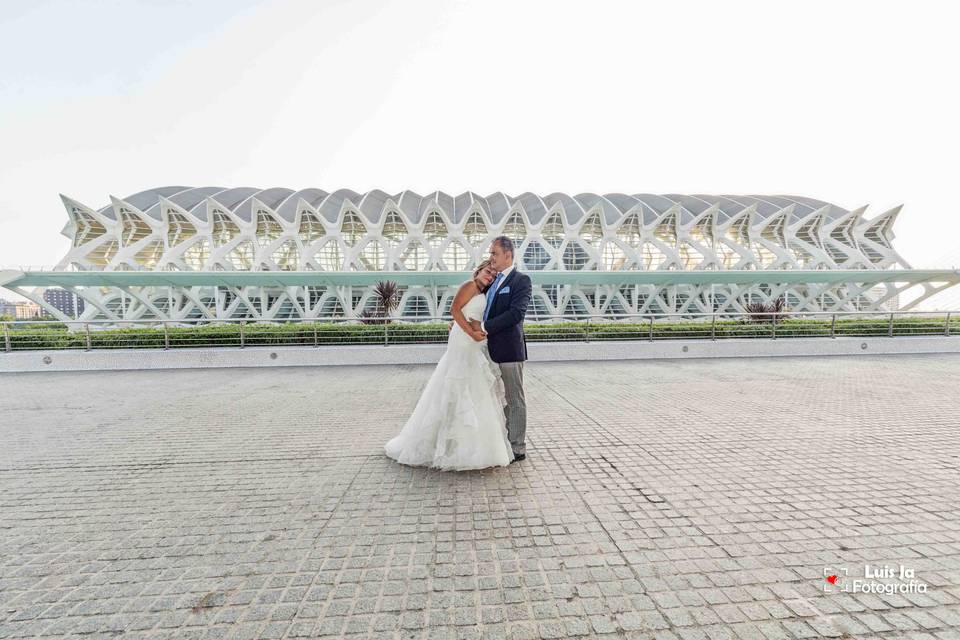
x,y
774,335
315,340
833,327
6,334
242,341
651,328
713,328
586,331
386,335
89,342
166,336
946,325
890,327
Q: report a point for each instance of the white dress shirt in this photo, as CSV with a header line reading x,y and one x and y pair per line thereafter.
x,y
505,273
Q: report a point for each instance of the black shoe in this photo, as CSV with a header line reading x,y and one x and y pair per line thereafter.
x,y
518,456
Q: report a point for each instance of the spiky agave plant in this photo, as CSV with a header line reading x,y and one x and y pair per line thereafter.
x,y
387,298
779,307
766,311
369,316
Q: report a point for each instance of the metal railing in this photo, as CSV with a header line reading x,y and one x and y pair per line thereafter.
x,y
26,335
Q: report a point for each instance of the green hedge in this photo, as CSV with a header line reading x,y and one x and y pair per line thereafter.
x,y
46,335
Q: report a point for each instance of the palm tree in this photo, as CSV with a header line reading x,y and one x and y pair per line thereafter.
x,y
385,293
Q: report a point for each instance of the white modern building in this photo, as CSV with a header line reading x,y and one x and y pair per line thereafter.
x,y
279,253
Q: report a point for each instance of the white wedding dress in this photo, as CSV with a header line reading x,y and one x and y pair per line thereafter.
x,y
458,422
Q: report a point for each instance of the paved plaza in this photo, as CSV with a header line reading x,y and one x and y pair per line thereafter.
x,y
660,499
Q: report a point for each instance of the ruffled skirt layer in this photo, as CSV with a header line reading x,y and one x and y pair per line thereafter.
x,y
458,422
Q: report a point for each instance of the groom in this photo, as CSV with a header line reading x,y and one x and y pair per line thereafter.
x,y
507,300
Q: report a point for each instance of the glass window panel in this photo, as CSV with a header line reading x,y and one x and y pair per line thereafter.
x,y
515,229
268,229
475,231
666,231
591,231
456,257
651,256
614,257
373,256
352,230
728,256
133,228
332,308
197,254
394,230
435,231
810,233
287,256
690,256
311,229
575,308
330,257
104,253
241,256
224,229
179,228
536,257
553,231
88,228
150,255
575,257
701,233
416,307
415,257
629,231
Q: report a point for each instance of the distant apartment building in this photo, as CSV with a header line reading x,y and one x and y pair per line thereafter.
x,y
68,302
28,311
7,308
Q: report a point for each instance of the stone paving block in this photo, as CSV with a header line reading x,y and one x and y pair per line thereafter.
x,y
660,499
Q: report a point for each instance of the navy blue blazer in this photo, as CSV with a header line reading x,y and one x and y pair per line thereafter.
x,y
504,323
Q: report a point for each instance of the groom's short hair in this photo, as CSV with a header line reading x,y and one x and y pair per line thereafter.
x,y
505,243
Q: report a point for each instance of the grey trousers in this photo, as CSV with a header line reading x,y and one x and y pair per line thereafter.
x,y
516,409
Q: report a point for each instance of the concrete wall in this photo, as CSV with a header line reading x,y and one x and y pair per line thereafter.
x,y
295,356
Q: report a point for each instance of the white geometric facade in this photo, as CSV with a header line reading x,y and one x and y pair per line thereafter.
x,y
247,229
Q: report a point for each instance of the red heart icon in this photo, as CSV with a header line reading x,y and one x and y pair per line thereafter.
x,y
832,579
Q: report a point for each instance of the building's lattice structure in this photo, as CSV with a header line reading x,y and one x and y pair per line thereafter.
x,y
247,229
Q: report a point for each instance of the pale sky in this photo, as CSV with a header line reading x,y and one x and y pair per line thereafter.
x,y
852,102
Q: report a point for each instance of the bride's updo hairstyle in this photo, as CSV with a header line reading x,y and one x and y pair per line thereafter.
x,y
476,272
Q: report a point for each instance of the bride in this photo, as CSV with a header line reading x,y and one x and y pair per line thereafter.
x,y
459,422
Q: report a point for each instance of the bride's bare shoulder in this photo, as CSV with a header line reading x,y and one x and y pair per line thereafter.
x,y
467,290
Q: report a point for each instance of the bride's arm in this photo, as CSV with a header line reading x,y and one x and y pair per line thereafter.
x,y
464,294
